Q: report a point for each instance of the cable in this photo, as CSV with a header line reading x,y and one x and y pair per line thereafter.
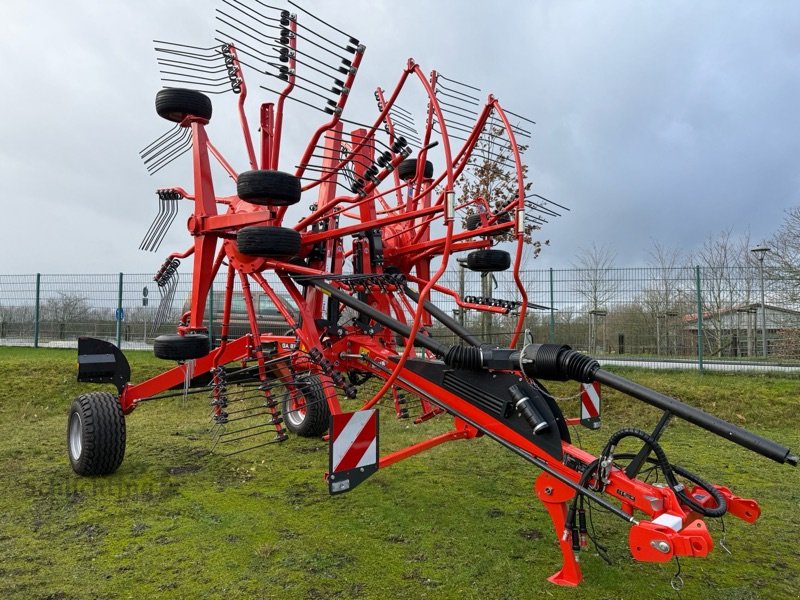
x,y
685,473
602,551
669,473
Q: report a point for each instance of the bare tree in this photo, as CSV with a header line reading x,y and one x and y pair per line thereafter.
x,y
727,285
66,308
784,257
596,281
662,298
597,285
666,262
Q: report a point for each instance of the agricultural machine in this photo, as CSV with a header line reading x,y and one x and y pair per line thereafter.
x,y
353,273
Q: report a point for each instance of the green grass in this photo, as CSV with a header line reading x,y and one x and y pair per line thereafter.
x,y
460,521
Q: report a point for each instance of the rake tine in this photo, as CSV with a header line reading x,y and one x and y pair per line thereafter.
x,y
519,116
245,417
154,152
547,200
146,240
188,66
163,216
176,130
458,97
235,431
275,441
169,148
173,206
454,91
401,117
185,147
167,296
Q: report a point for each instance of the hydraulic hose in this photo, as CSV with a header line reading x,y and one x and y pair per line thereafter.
x,y
607,457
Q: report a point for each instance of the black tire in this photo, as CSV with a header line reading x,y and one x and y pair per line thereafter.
x,y
268,188
296,277
408,169
175,104
268,242
95,434
181,347
504,217
313,417
488,261
472,222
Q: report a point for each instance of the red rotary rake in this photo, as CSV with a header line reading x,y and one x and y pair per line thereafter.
x,y
353,278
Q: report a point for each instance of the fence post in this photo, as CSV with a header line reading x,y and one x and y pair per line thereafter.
x,y
36,311
211,312
699,319
486,317
552,338
118,314
461,287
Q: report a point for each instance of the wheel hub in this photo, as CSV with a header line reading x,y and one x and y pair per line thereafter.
x,y
75,436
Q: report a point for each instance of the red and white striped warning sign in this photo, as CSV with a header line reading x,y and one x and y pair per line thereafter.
x,y
353,449
590,405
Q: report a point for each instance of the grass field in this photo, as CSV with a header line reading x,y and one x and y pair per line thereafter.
x,y
460,521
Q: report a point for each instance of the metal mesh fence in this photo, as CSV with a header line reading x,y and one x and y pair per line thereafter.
x,y
691,317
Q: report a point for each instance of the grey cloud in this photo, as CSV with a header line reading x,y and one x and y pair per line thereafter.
x,y
666,120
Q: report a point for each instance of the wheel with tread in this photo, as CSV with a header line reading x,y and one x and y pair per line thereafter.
x,y
408,169
504,217
488,261
310,416
175,104
472,222
268,188
268,241
95,434
173,346
297,278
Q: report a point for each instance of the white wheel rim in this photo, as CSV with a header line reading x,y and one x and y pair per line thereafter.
x,y
295,415
75,436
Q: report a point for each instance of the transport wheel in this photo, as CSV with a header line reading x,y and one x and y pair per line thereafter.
x,y
408,169
95,434
309,415
488,261
181,347
472,222
268,242
268,188
175,104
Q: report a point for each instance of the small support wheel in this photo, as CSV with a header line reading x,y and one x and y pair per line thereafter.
x,y
309,415
181,347
268,242
504,217
408,169
472,222
96,434
488,261
175,104
268,188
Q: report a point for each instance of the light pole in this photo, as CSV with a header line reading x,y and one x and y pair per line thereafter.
x,y
461,262
760,251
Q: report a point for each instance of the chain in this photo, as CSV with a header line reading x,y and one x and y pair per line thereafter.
x,y
677,581
723,542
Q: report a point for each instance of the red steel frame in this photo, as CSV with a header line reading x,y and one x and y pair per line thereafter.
x,y
419,229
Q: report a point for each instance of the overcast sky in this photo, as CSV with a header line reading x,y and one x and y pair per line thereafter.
x,y
663,120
